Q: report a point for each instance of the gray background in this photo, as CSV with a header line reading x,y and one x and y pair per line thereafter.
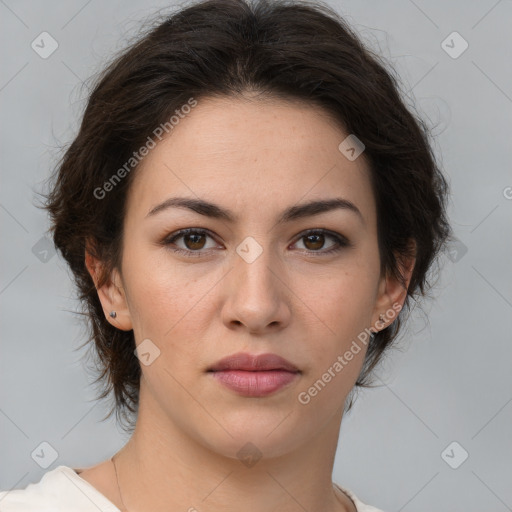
x,y
451,380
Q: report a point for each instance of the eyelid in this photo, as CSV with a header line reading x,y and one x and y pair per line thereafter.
x,y
175,235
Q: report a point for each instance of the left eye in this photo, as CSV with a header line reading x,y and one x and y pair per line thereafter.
x,y
317,238
314,237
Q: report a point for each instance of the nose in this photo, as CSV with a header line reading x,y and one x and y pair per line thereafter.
x,y
258,296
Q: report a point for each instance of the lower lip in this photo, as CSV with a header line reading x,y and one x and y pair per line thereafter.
x,y
259,383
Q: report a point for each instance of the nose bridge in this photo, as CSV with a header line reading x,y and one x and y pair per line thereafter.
x,y
256,298
255,263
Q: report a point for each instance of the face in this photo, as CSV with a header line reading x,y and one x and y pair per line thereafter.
x,y
303,287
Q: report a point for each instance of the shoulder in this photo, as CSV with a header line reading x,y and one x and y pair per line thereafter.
x,y
41,495
60,489
360,506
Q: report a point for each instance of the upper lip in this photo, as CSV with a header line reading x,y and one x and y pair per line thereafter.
x,y
248,362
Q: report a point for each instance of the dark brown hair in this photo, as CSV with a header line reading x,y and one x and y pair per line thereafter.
x,y
290,50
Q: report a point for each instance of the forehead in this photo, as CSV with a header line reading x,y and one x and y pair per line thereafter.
x,y
253,155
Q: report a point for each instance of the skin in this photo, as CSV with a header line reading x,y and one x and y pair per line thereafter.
x,y
255,158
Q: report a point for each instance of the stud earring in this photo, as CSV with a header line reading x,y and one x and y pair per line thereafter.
x,y
113,314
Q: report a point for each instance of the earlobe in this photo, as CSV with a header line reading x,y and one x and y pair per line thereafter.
x,y
111,294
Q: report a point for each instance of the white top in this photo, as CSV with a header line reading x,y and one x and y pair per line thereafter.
x,y
63,490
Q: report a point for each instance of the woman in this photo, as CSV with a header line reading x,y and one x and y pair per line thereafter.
x,y
247,209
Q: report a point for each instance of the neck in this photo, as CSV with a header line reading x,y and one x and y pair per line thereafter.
x,y
163,468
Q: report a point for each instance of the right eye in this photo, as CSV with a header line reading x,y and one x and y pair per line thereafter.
x,y
192,237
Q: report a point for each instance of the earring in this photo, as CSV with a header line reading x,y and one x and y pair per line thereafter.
x,y
382,318
113,314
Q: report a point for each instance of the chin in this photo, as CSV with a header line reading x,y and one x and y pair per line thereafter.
x,y
255,437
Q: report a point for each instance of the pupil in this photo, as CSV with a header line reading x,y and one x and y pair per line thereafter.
x,y
318,243
194,240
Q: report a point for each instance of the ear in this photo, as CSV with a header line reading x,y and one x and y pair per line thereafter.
x,y
392,294
111,294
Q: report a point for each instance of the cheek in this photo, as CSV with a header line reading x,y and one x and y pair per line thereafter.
x,y
170,304
341,309
344,302
158,294
339,343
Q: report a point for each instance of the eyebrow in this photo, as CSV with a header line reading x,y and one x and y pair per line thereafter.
x,y
290,214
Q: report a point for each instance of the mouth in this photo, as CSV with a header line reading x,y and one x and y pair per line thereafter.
x,y
253,363
254,376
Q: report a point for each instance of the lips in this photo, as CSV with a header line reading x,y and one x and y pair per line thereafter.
x,y
254,376
253,363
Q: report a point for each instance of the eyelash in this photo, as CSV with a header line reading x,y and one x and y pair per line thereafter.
x,y
340,241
